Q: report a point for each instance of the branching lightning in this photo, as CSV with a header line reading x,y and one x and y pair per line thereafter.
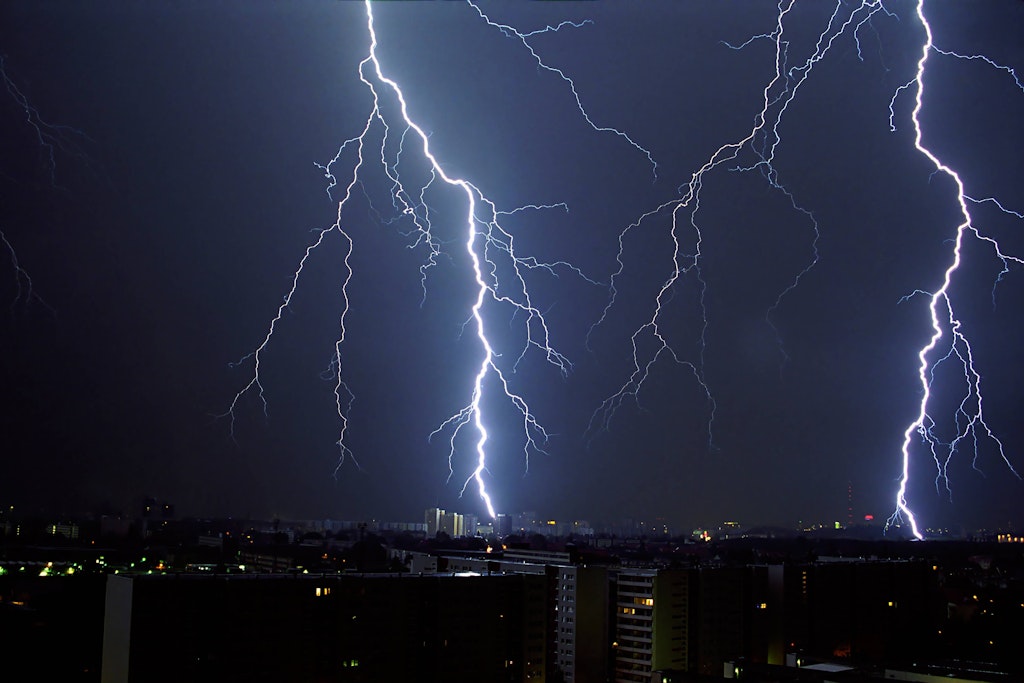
x,y
24,292
390,151
949,341
489,246
759,143
51,139
522,38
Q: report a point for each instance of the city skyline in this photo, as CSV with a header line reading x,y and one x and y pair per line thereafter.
x,y
454,523
163,233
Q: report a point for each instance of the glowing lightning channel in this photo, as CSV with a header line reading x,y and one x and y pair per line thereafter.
x,y
761,142
522,38
50,136
970,416
24,291
485,241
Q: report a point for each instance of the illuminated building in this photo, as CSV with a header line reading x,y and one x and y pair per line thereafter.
x,y
68,530
502,525
524,522
453,524
470,525
432,517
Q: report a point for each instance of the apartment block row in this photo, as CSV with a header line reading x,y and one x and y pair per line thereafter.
x,y
522,616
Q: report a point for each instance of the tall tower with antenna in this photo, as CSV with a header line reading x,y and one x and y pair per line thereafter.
x,y
849,504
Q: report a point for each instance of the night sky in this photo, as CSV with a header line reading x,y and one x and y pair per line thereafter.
x,y
165,233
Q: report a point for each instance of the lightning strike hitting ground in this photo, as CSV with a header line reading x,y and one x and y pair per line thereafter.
x,y
489,246
949,341
731,266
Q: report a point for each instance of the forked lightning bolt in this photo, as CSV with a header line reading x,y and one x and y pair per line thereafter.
x,y
949,342
24,292
51,138
522,37
758,147
489,246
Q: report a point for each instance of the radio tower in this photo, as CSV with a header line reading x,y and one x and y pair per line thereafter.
x,y
849,504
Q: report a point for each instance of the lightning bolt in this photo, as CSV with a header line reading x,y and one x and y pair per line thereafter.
x,y
522,38
50,138
756,150
24,291
948,341
498,272
753,151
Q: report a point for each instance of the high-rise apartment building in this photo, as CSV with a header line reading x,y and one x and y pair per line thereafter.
x,y
453,524
653,623
581,624
432,518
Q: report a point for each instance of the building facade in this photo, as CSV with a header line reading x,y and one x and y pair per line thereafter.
x,y
653,623
342,628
